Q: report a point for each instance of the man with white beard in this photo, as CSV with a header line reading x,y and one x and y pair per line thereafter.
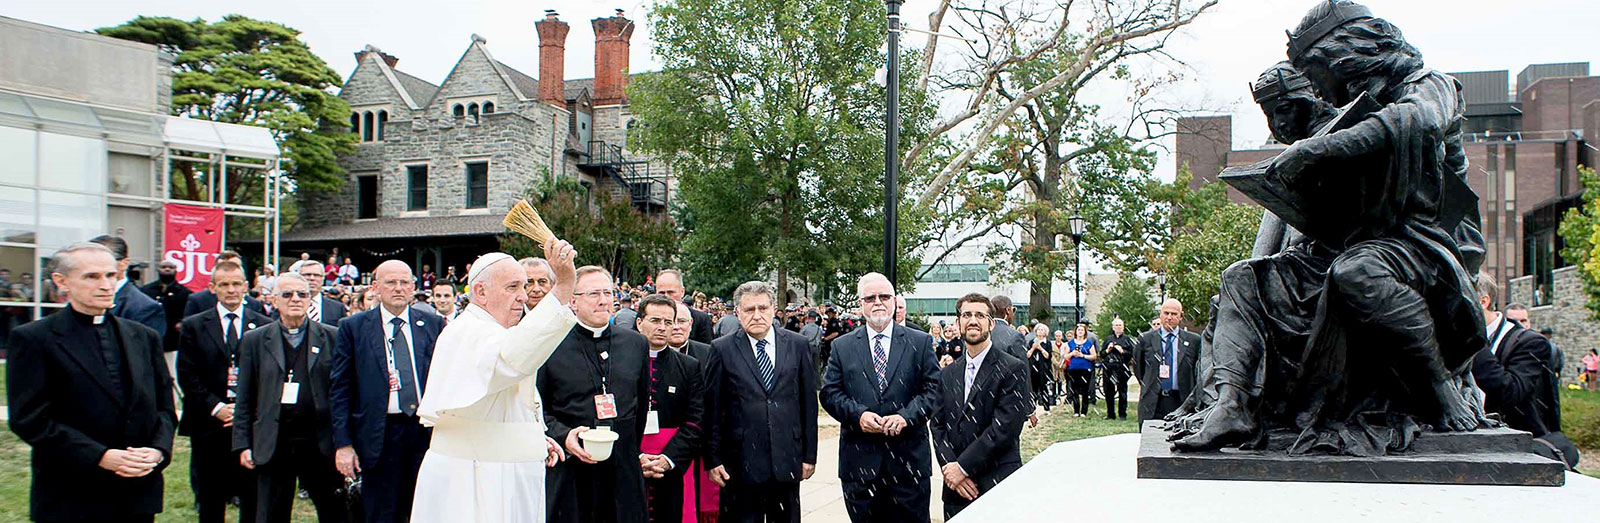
x,y
482,464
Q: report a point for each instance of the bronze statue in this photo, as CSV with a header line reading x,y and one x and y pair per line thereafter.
x,y
1360,336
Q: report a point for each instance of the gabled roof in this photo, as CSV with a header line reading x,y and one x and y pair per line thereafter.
x,y
521,80
420,90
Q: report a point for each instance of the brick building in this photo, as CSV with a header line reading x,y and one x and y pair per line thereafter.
x,y
437,166
1524,146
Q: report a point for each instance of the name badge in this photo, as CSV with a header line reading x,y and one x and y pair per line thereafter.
x,y
652,423
1166,371
233,380
394,381
605,406
291,393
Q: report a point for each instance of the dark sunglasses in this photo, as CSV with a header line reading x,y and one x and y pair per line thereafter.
x,y
877,298
294,294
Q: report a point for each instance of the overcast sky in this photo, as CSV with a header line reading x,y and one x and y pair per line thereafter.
x,y
1226,49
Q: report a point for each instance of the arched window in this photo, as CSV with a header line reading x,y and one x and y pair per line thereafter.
x,y
472,109
383,118
366,126
488,107
355,122
459,111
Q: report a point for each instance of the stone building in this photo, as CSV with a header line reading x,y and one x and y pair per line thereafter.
x,y
438,166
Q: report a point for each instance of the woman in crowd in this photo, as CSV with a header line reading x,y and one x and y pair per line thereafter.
x,y
1040,354
369,298
1080,369
1591,368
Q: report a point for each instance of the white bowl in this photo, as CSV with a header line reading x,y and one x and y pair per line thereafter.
x,y
597,442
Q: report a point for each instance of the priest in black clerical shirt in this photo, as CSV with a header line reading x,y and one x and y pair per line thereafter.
x,y
673,432
598,377
90,393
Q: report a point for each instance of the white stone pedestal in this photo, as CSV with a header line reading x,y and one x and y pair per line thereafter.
x,y
1093,480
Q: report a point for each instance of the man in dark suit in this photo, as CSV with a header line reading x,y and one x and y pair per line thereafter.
x,y
91,394
762,404
204,300
1515,371
321,308
1006,337
983,403
379,369
598,376
208,375
1164,360
677,395
131,302
882,383
172,296
669,282
283,428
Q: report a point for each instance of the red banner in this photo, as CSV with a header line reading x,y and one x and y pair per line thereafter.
x,y
193,240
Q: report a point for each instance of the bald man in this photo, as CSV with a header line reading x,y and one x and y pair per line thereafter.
x,y
1164,361
379,368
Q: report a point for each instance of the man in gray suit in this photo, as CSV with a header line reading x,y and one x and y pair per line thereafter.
x,y
282,426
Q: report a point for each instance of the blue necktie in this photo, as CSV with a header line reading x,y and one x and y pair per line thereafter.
x,y
402,364
764,365
1170,358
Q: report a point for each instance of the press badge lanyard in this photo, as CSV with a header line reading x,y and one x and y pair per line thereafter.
x,y
605,404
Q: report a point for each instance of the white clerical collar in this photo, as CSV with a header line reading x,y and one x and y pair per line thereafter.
x,y
222,310
654,352
595,331
405,315
888,331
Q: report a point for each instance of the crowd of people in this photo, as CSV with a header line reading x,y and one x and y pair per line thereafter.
x,y
542,391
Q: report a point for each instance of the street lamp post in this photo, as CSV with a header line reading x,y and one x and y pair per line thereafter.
x,y
1161,281
891,149
1076,226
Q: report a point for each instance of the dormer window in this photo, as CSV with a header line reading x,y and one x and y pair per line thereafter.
x,y
370,123
472,107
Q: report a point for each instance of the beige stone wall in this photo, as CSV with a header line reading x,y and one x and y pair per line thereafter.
x,y
1567,314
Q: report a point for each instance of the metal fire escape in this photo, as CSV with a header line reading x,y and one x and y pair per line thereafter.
x,y
646,190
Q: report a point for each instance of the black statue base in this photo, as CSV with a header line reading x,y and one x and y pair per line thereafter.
x,y
1484,457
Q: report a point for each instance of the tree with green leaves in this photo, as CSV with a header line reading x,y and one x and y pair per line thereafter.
x,y
605,231
1131,300
768,113
1209,233
252,72
1580,229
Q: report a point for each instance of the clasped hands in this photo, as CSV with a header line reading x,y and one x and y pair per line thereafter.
x,y
655,466
890,425
958,480
132,462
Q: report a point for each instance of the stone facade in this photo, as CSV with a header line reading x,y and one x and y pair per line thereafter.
x,y
484,111
1567,314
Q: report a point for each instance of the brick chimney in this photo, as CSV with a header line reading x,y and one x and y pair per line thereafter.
x,y
362,55
611,59
552,58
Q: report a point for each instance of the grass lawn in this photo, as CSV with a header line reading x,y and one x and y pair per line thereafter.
x,y
1060,426
15,477
1580,421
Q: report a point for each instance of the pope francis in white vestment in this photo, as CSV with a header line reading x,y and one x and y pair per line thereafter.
x,y
487,459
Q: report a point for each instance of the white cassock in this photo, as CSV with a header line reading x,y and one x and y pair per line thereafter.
x,y
486,459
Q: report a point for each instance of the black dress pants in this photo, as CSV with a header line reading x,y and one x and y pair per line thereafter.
x,y
775,502
216,476
1114,383
388,486
887,499
299,458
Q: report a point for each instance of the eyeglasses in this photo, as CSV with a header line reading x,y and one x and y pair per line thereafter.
x,y
877,298
596,294
294,294
970,315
